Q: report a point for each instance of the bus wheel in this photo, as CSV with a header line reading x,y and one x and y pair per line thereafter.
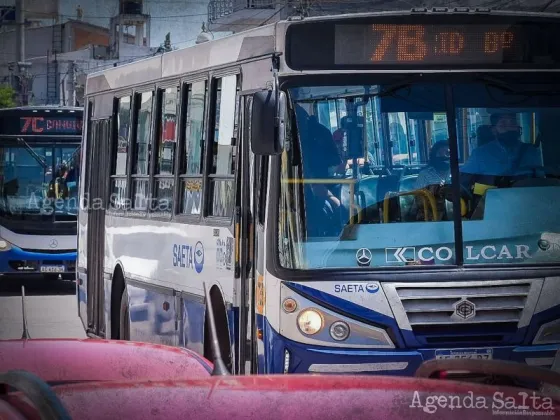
x,y
124,330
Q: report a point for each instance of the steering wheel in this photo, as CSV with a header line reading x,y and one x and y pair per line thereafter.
x,y
430,368
39,393
508,181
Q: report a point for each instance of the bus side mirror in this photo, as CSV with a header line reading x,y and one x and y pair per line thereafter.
x,y
267,123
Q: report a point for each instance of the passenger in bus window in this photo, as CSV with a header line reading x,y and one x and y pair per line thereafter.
x,y
506,155
433,177
438,170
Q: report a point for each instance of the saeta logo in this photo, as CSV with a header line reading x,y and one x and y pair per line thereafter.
x,y
356,288
198,257
372,288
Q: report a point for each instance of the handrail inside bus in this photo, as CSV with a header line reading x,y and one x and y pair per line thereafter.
x,y
426,196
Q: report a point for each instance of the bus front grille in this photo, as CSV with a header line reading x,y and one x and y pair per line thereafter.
x,y
49,251
463,313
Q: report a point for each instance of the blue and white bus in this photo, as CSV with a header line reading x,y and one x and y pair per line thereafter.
x,y
359,193
39,172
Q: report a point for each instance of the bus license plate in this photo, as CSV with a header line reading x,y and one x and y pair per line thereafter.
x,y
53,269
464,354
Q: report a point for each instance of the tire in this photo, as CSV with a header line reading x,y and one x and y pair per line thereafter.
x,y
124,329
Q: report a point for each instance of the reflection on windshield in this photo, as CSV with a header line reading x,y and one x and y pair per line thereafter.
x,y
39,180
369,174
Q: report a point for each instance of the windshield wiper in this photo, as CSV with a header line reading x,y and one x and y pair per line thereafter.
x,y
32,152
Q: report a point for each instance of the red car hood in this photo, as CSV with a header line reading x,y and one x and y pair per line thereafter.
x,y
296,397
60,360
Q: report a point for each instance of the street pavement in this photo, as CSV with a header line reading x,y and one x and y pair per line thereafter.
x,y
50,306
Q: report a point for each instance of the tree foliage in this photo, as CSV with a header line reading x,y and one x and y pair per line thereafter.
x,y
7,95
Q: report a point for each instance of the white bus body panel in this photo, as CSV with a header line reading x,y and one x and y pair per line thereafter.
x,y
163,254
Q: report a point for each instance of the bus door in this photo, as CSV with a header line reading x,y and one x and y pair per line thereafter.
x,y
97,192
249,240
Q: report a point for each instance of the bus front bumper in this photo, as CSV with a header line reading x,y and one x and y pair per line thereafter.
x,y
18,262
304,358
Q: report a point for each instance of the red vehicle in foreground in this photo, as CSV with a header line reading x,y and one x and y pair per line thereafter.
x,y
102,379
48,379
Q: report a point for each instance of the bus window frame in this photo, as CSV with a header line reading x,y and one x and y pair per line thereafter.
x,y
134,148
204,218
114,150
156,141
210,133
182,138
273,259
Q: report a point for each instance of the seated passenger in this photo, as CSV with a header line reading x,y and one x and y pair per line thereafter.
x,y
438,170
433,177
506,155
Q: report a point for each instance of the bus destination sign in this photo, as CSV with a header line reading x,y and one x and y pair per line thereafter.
x,y
426,44
50,125
417,43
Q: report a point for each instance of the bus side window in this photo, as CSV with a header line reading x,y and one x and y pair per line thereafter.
x,y
141,163
166,149
120,153
192,154
222,169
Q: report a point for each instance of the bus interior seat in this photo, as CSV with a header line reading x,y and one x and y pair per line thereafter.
x,y
484,135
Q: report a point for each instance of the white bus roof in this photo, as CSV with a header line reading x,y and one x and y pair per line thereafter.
x,y
241,46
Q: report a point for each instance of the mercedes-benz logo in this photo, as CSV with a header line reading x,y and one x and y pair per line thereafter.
x,y
363,256
465,309
53,243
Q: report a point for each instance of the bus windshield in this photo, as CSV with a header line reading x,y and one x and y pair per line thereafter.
x,y
39,179
367,179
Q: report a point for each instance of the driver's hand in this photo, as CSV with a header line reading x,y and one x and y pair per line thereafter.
x,y
335,202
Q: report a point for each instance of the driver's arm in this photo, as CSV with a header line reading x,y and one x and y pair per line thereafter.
x,y
470,169
321,191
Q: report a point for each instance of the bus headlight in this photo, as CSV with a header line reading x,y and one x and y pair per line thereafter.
x,y
310,321
339,331
548,333
4,245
